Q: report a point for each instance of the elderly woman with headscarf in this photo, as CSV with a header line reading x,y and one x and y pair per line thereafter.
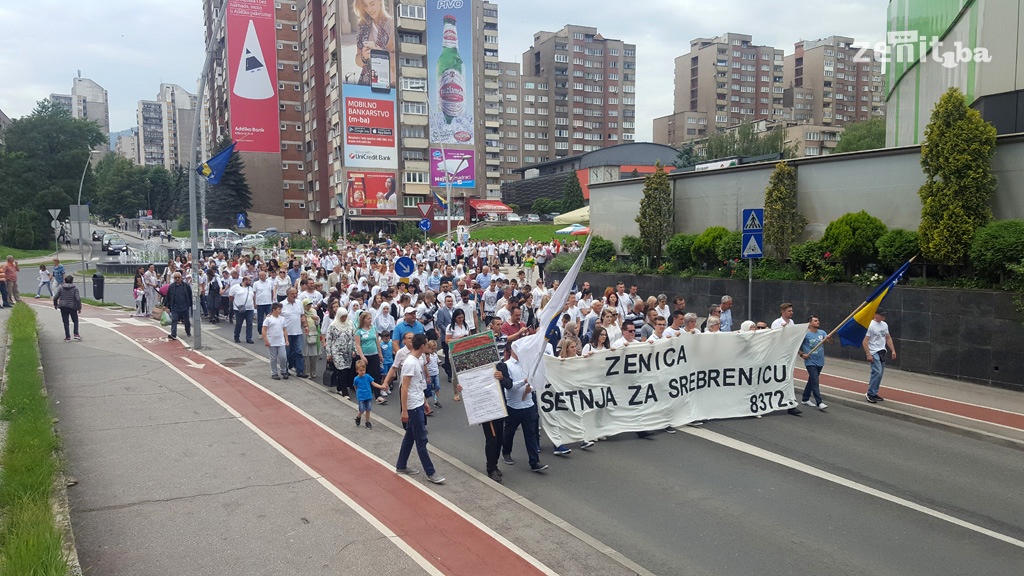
x,y
341,347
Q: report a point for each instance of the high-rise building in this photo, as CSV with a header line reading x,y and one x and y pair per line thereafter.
x,y
150,117
4,123
87,100
254,96
832,83
576,94
164,132
727,78
127,145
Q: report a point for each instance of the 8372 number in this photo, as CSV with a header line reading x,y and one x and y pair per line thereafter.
x,y
766,401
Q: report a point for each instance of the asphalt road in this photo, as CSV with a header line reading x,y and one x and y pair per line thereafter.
x,y
687,504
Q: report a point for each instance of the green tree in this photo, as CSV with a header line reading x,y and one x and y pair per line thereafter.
x,y
41,166
867,135
231,196
705,246
572,194
163,193
121,188
896,247
680,250
783,224
957,161
655,217
546,206
852,239
686,156
746,141
997,247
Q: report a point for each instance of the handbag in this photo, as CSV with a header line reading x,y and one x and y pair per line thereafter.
x,y
328,374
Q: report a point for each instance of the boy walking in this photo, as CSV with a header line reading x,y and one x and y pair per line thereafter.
x,y
275,337
364,392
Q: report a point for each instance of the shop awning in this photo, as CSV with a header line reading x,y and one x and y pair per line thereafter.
x,y
489,207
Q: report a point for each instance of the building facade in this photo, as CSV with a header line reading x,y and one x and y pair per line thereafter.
x,y
832,82
4,123
974,45
127,145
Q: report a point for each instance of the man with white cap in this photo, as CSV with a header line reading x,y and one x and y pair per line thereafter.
x,y
408,324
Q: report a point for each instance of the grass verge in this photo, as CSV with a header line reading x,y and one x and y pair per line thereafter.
x,y
19,254
30,542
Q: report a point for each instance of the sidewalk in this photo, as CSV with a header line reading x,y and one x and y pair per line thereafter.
x,y
187,464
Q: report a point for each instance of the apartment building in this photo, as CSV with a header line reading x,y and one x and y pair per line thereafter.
x,y
87,100
831,83
5,121
575,93
127,145
164,132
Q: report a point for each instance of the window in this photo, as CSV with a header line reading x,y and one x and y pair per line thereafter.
x,y
410,11
489,39
409,201
410,38
414,155
411,61
284,186
415,177
414,132
417,108
414,84
812,151
280,66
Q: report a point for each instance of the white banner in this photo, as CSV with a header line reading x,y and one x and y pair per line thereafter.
x,y
669,383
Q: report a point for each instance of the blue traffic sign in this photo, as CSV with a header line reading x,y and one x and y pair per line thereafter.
x,y
404,267
752,245
425,225
241,220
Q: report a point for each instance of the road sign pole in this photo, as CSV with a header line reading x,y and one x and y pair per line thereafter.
x,y
750,289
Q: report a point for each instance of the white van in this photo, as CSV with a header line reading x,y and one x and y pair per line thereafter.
x,y
221,237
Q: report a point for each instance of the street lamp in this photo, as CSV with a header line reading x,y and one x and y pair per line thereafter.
x,y
81,244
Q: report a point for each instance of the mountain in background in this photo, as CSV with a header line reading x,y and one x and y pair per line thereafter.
x,y
115,135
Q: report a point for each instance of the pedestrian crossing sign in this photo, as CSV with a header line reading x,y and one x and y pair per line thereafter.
x,y
753,219
752,245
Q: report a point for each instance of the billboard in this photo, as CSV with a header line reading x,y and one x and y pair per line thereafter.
x,y
373,193
458,165
450,71
252,74
369,121
368,86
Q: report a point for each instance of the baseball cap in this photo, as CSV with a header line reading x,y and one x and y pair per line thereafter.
x,y
409,310
880,311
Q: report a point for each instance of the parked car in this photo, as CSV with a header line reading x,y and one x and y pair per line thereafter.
x,y
550,217
116,246
492,218
513,218
105,240
97,234
533,217
250,241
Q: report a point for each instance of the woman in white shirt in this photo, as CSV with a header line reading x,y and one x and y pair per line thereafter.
x,y
609,319
458,328
599,341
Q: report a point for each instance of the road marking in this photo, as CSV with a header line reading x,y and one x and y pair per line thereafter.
x,y
752,450
192,363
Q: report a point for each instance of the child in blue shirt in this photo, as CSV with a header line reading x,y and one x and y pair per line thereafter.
x,y
364,385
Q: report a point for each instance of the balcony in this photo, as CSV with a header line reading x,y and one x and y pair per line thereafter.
x,y
412,24
491,124
412,49
417,166
421,143
414,96
413,72
414,119
491,72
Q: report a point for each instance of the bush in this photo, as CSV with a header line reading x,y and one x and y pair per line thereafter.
x,y
896,247
816,267
729,246
771,269
563,262
22,229
851,240
679,251
705,246
997,246
631,245
600,249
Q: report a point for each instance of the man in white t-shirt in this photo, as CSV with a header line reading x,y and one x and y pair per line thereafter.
x,y
243,301
264,289
876,341
786,316
414,420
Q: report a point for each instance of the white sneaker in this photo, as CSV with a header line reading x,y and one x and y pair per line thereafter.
x,y
822,406
436,478
810,403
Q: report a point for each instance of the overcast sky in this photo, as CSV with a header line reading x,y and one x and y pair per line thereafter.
x,y
130,46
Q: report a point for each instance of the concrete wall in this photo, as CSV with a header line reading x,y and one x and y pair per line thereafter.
x,y
966,335
885,183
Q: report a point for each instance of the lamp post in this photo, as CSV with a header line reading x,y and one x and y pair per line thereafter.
x,y
81,242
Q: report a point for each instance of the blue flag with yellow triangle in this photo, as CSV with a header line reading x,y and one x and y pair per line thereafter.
x,y
213,169
440,201
852,332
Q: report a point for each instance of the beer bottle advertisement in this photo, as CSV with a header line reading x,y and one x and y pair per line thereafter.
x,y
449,61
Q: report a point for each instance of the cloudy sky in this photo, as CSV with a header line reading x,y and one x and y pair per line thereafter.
x,y
130,46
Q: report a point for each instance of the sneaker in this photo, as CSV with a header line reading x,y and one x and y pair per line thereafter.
x,y
77,337
284,376
275,377
794,412
586,444
172,337
495,475
810,403
67,339
643,434
369,426
822,406
562,450
879,398
407,471
538,467
670,430
437,404
359,419
436,478
871,398
507,459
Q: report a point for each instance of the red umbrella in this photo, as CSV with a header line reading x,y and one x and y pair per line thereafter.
x,y
581,232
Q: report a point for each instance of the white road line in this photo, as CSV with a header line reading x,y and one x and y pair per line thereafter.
x,y
752,450
351,503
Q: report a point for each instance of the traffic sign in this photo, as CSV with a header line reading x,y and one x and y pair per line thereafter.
x,y
752,245
425,209
404,267
425,225
55,224
55,213
241,220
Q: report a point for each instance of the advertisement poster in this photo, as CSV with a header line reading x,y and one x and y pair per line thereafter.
x,y
369,120
252,73
450,71
458,165
372,193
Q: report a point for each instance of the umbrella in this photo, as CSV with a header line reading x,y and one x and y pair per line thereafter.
x,y
570,229
581,232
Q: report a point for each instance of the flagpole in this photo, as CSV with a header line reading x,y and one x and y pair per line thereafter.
x,y
197,324
852,314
